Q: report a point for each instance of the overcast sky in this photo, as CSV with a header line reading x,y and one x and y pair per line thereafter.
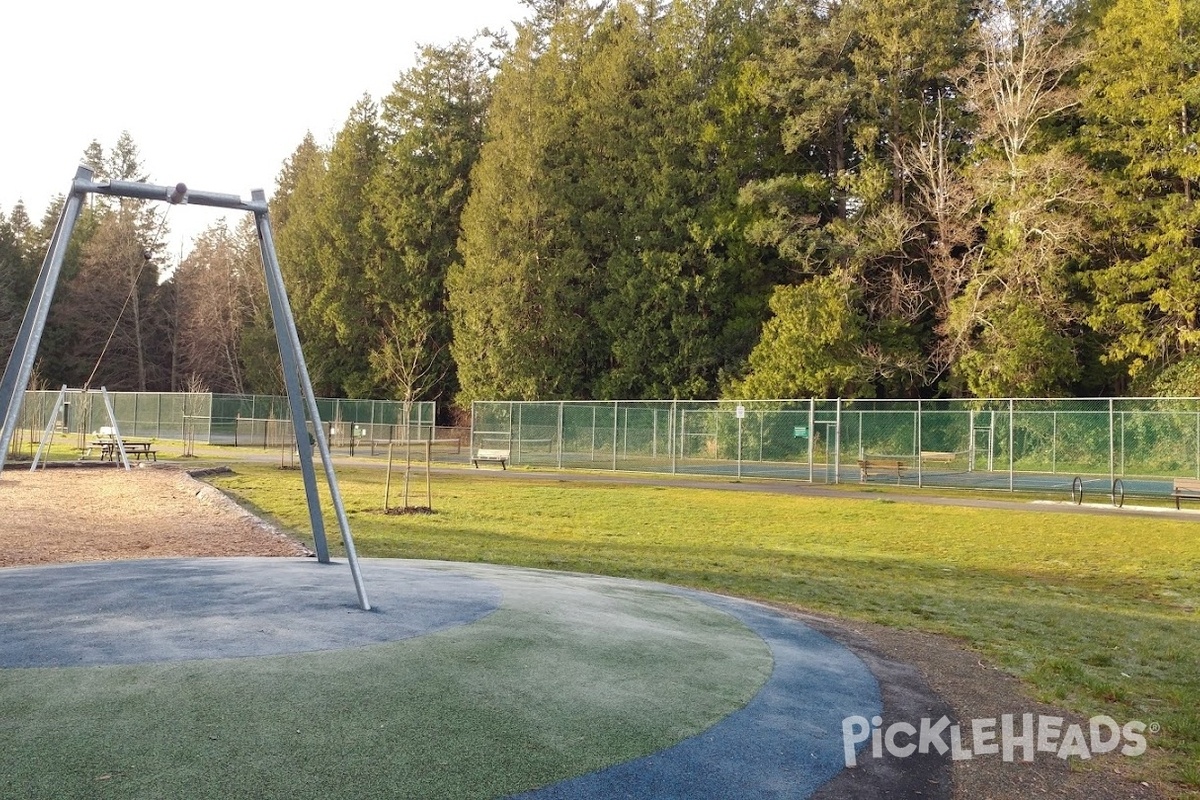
x,y
216,94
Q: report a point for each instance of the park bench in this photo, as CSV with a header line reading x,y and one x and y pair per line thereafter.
x,y
491,454
1186,487
937,457
878,464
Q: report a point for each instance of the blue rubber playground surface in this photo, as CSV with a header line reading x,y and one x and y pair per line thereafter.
x,y
671,693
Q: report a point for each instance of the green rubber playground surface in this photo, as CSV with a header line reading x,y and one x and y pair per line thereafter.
x,y
543,688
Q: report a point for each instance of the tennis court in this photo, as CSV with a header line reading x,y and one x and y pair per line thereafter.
x,y
1133,447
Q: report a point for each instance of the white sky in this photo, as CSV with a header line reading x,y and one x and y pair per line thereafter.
x,y
215,94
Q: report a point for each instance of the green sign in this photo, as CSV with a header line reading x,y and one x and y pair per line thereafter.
x,y
800,432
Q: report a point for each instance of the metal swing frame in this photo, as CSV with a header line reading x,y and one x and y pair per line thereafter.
x,y
301,400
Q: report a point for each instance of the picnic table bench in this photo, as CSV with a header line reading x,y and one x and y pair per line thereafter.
x,y
884,464
493,454
137,449
1186,487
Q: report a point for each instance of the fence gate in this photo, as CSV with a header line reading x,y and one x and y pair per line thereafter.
x,y
983,440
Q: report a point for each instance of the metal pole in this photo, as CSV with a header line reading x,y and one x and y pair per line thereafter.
x,y
837,443
739,447
291,379
1053,442
470,442
674,422
112,418
275,276
812,434
1122,442
49,431
387,482
614,435
920,446
1111,445
29,335
1011,420
971,440
560,433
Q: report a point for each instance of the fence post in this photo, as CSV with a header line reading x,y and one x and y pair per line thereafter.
x,y
1053,442
615,410
920,477
1112,444
675,421
739,414
837,443
1122,443
560,433
1011,427
812,433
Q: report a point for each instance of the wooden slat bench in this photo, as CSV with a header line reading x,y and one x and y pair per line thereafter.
x,y
937,457
877,464
1186,488
492,454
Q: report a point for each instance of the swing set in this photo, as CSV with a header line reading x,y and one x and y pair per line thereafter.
x,y
301,400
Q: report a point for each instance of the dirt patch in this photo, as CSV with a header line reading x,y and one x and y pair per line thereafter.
x,y
55,516
975,690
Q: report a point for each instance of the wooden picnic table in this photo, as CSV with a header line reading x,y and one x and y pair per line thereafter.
x,y
136,449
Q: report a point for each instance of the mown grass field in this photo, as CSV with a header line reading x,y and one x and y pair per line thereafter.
x,y
1096,613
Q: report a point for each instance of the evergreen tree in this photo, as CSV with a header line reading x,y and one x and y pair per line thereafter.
x,y
812,346
295,216
1141,104
432,130
351,246
684,293
603,246
520,298
12,304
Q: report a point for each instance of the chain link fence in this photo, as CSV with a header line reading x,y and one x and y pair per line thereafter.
x,y
1006,444
216,419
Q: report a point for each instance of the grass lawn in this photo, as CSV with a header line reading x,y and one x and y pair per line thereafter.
x,y
1096,613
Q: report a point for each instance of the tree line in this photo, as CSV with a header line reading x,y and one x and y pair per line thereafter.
x,y
702,198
